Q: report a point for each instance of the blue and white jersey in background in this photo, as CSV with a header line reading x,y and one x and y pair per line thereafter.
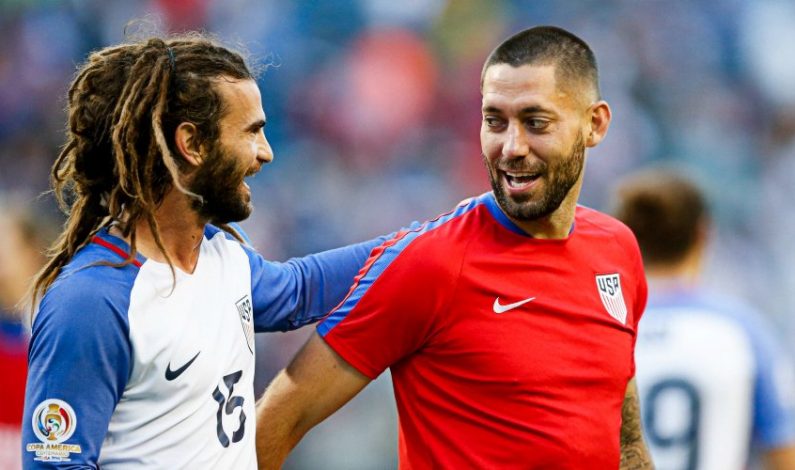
x,y
128,369
713,381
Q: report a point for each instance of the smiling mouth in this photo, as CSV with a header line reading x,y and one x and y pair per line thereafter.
x,y
520,180
249,174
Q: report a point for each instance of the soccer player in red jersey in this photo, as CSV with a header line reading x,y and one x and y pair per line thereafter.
x,y
509,323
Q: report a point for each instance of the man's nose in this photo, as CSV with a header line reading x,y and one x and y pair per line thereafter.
x,y
517,143
264,151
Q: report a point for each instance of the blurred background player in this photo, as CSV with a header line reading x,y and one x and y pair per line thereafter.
x,y
26,232
715,384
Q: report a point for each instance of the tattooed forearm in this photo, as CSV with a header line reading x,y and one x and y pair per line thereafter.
x,y
630,418
634,454
635,458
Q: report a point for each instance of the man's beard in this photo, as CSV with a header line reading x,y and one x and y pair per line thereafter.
x,y
560,178
218,182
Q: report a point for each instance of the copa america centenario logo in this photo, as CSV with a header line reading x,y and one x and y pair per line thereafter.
x,y
54,421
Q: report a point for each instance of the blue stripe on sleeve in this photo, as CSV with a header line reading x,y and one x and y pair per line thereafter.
x,y
389,254
80,354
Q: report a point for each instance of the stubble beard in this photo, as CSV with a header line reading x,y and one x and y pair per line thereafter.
x,y
564,176
218,182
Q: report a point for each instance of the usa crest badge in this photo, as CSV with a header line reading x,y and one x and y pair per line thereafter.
x,y
246,311
609,286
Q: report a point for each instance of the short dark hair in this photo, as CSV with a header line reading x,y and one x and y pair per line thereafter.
x,y
573,58
665,210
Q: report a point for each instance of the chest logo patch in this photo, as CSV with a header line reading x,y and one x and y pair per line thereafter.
x,y
609,286
173,374
500,308
246,311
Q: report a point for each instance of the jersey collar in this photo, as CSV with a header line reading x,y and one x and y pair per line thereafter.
x,y
116,245
494,208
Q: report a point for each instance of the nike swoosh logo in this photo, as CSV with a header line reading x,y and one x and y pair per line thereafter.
x,y
173,374
504,308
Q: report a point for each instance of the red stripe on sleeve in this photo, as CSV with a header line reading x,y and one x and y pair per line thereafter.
x,y
115,249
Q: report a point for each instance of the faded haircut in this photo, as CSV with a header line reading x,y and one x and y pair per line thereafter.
x,y
573,59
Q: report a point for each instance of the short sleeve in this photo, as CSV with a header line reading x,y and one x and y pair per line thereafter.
x,y
393,308
79,364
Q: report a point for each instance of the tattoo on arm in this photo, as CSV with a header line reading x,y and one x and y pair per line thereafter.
x,y
634,454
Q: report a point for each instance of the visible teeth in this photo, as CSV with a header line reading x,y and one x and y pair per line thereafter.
x,y
519,179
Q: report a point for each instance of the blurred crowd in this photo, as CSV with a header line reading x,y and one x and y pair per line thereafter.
x,y
374,111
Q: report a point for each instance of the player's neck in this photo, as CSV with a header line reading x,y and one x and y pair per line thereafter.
x,y
686,271
554,227
181,232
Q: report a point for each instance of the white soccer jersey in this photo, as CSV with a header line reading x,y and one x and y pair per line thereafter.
x,y
129,369
712,383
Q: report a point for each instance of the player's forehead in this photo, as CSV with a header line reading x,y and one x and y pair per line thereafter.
x,y
242,101
507,88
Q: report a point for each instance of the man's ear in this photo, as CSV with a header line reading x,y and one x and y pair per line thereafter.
x,y
600,116
186,137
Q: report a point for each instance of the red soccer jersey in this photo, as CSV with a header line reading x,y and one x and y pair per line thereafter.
x,y
506,351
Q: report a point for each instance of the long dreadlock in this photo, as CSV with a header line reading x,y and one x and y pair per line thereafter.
x,y
117,164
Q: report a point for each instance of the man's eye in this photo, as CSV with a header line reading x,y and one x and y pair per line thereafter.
x,y
537,123
492,121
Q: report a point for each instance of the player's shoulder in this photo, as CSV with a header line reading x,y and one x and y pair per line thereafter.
x,y
96,270
92,284
594,224
719,306
439,239
600,223
232,232
738,310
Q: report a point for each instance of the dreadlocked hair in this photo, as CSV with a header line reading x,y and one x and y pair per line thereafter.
x,y
117,163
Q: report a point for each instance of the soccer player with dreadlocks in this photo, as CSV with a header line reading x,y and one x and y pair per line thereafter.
x,y
142,349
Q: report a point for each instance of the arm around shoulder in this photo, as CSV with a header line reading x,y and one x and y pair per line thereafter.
x,y
300,291
315,384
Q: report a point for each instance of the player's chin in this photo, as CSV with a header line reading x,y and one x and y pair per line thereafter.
x,y
524,205
236,214
244,206
234,209
243,196
518,200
